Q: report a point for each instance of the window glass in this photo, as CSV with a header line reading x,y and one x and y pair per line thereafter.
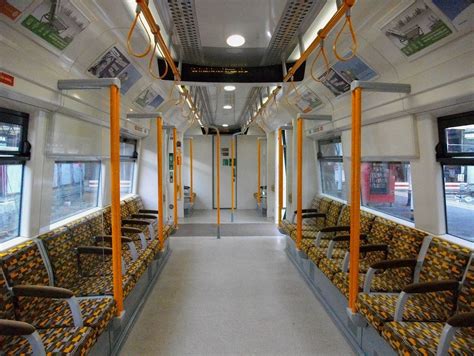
x,y
127,149
11,177
330,149
10,137
126,177
460,139
459,198
333,179
386,187
75,188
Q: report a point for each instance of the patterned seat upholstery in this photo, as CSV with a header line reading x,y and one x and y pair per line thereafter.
x,y
421,338
23,265
321,204
443,261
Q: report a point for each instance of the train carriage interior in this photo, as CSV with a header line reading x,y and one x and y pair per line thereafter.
x,y
237,177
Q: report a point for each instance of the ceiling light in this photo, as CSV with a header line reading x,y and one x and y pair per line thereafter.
x,y
227,107
229,88
225,125
235,40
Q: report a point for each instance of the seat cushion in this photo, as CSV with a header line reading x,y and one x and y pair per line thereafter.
x,y
51,313
418,338
57,341
379,309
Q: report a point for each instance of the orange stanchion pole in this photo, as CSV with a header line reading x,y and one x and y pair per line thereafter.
x,y
115,190
232,177
175,178
218,188
280,175
179,167
299,182
191,183
355,198
159,156
258,172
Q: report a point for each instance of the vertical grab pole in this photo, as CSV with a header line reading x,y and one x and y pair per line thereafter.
x,y
191,189
115,190
280,175
299,181
232,154
355,198
175,178
218,188
159,164
258,172
178,166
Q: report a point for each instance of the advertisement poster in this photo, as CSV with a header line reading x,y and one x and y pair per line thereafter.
x,y
416,28
338,79
149,99
307,101
113,64
13,8
56,22
459,12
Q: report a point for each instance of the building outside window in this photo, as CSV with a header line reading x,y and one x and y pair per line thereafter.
x,y
333,181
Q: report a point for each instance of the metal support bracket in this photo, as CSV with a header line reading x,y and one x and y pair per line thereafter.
x,y
82,84
146,115
315,117
381,87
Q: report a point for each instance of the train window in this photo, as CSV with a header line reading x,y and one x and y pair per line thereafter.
x,y
11,178
386,187
333,181
455,152
75,188
128,156
14,151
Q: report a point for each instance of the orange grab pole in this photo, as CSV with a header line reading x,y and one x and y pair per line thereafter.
x,y
115,189
191,170
159,155
299,181
175,182
258,171
218,188
355,198
179,174
280,174
232,154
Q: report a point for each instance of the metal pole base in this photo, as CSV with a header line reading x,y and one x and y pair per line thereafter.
x,y
232,217
218,232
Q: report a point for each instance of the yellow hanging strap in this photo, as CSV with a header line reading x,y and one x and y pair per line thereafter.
x,y
321,52
150,63
348,22
129,38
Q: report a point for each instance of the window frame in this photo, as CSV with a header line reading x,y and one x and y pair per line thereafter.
x,y
21,119
20,208
321,159
131,158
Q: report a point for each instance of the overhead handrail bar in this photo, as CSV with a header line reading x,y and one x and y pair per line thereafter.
x,y
130,33
159,164
354,248
113,84
341,12
354,45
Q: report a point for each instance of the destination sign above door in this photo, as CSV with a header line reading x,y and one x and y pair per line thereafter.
x,y
229,74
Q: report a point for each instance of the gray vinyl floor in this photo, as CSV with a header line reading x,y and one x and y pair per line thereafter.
x,y
239,295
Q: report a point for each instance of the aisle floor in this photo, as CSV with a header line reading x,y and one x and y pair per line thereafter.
x,y
239,295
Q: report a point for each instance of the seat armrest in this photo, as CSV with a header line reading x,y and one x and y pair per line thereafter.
x,y
136,222
108,238
392,264
143,216
341,228
345,238
462,320
307,211
94,250
131,230
374,248
15,328
433,286
148,211
41,292
313,215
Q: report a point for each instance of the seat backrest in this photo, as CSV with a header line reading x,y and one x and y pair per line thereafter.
x,y
80,232
332,216
444,260
96,223
107,220
324,205
466,294
381,231
366,219
316,202
124,210
60,248
6,301
405,243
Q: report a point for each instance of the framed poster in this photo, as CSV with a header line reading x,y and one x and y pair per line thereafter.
x,y
307,100
57,23
416,28
149,99
14,8
114,64
339,77
459,12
